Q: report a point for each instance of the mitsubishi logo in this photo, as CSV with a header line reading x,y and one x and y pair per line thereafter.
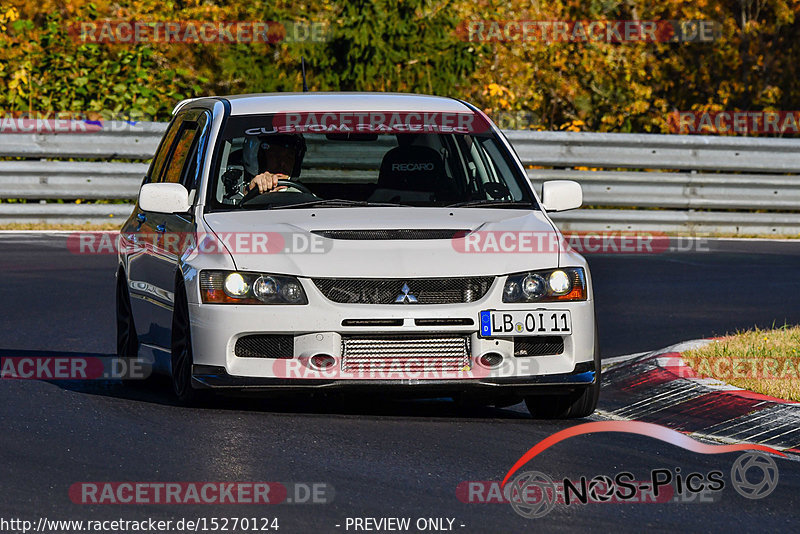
x,y
405,296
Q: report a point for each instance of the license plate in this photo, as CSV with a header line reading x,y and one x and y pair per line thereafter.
x,y
525,323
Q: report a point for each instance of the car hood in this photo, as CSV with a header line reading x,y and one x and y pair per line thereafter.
x,y
304,252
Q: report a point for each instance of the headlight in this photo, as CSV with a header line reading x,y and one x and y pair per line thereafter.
x,y
534,286
292,292
236,286
546,286
265,288
559,283
231,287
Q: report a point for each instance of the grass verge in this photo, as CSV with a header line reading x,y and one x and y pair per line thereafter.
x,y
763,361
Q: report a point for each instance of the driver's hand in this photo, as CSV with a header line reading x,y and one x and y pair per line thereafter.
x,y
266,181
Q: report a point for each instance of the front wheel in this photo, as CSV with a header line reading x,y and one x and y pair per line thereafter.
x,y
182,351
127,341
580,403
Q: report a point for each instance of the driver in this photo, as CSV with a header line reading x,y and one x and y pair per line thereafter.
x,y
279,156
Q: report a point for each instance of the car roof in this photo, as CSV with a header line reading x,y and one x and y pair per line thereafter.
x,y
251,104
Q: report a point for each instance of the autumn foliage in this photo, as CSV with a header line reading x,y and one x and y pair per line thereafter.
x,y
414,46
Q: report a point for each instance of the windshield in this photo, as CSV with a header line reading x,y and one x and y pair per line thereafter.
x,y
430,167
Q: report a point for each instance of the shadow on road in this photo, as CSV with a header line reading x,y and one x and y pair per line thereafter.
x,y
158,390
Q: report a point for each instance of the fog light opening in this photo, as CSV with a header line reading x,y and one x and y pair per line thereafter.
x,y
491,360
322,362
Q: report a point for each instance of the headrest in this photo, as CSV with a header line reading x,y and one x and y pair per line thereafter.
x,y
416,168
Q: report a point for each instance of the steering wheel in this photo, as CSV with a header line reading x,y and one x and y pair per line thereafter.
x,y
253,193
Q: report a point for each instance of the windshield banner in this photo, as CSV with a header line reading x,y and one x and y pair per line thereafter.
x,y
373,122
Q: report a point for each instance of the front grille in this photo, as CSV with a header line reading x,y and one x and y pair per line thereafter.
x,y
405,353
444,322
382,235
538,345
265,346
372,322
392,290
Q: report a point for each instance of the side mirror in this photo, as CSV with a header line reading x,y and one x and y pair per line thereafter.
x,y
561,195
164,198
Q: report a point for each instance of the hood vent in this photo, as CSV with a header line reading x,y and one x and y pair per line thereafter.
x,y
383,235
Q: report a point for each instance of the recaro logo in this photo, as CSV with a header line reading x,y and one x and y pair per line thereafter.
x,y
408,167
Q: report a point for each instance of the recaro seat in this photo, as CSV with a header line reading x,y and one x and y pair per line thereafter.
x,y
414,169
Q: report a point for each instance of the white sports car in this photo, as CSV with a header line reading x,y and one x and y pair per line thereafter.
x,y
351,241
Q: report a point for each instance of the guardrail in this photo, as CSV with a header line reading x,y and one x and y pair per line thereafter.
x,y
694,181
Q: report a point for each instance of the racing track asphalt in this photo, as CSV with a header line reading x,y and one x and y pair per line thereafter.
x,y
383,458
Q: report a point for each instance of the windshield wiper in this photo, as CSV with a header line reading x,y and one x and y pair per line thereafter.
x,y
334,203
487,203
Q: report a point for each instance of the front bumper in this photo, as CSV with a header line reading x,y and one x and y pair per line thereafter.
x,y
322,325
584,374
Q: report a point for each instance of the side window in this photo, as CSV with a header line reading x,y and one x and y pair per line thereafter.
x,y
194,163
157,166
188,151
182,147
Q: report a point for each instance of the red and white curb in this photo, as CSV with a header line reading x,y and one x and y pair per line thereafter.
x,y
659,387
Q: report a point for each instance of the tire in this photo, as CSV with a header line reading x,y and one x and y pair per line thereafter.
x,y
580,403
182,351
127,340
